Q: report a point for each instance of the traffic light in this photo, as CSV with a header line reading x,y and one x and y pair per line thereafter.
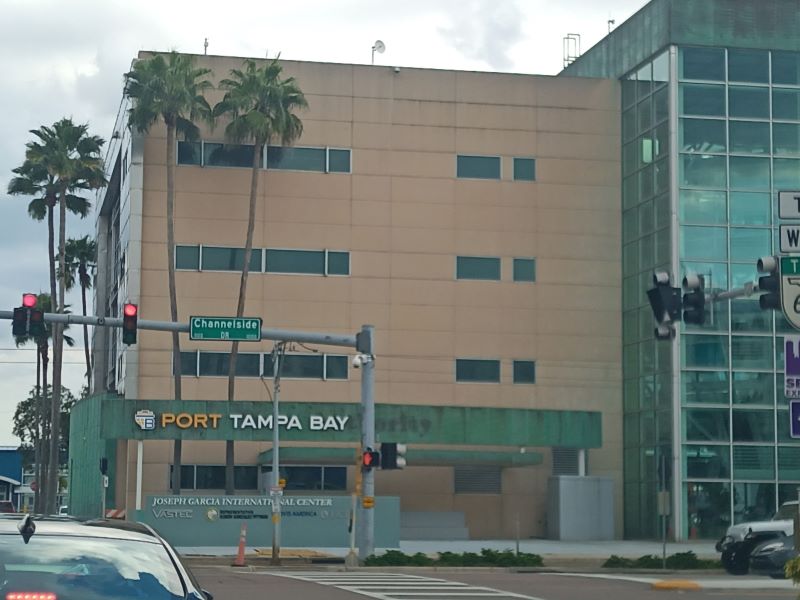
x,y
104,466
36,327
22,315
370,459
29,300
393,455
769,283
665,301
694,299
130,315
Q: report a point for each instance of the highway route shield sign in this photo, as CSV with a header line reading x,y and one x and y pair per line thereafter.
x,y
790,289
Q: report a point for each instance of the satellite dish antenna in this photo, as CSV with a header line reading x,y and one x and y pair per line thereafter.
x,y
378,47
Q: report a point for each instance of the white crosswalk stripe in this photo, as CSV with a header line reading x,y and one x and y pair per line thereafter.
x,y
400,586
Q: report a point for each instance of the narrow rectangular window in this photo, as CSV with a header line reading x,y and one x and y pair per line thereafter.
x,y
524,169
477,370
478,167
298,159
189,363
477,267
338,161
190,153
338,263
525,269
229,259
217,364
296,366
309,262
187,257
524,371
227,155
210,477
245,477
335,366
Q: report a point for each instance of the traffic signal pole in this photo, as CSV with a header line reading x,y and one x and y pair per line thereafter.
x,y
366,546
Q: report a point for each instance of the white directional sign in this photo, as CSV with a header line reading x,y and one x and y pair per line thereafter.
x,y
790,239
789,205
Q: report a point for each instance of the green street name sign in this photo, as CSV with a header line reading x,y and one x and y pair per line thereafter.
x,y
228,329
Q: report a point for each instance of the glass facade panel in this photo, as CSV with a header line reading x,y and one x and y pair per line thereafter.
x,y
702,63
704,243
751,66
245,478
747,244
753,426
748,102
705,100
786,68
703,351
481,371
524,169
786,104
189,363
703,207
338,263
474,267
706,424
746,315
750,352
299,159
786,138
227,155
750,208
703,171
704,135
336,366
707,462
789,464
478,167
210,477
753,388
525,269
708,508
750,137
754,462
752,501
705,387
187,257
786,173
749,173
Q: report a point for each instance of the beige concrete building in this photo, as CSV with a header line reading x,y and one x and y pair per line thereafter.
x,y
472,218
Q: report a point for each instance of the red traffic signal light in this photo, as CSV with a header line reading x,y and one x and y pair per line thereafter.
x,y
129,323
29,300
370,459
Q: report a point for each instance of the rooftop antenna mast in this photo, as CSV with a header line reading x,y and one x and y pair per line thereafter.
x,y
378,47
205,46
611,23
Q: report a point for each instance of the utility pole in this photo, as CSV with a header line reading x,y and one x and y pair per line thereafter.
x,y
276,492
365,346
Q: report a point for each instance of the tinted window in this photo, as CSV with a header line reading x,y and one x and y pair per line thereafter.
x,y
702,100
189,363
338,263
786,104
524,371
751,66
296,261
187,257
524,269
229,259
487,371
218,363
478,167
338,161
189,153
702,63
227,155
245,478
749,102
474,267
296,366
336,367
210,477
88,568
524,169
786,68
299,159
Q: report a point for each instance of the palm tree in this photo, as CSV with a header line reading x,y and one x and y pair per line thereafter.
x,y
172,89
71,158
42,461
81,263
260,105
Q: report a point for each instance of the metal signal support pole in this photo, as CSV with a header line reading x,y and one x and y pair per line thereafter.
x,y
275,492
367,546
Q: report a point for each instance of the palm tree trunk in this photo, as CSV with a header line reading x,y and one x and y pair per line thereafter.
x,y
82,275
37,447
41,474
58,355
230,460
173,296
44,481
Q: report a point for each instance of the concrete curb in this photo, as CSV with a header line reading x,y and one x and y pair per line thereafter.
x,y
676,584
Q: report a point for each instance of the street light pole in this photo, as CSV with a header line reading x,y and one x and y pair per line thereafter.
x,y
275,492
367,545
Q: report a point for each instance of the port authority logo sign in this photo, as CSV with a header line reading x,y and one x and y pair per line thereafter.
x,y
145,419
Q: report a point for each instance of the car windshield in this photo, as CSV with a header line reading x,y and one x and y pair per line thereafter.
x,y
785,512
84,568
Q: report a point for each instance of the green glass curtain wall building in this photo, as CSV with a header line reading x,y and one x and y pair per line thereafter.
x,y
710,126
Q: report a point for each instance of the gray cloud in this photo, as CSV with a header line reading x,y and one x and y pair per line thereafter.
x,y
485,30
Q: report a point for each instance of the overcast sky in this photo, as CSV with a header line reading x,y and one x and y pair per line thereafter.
x,y
66,58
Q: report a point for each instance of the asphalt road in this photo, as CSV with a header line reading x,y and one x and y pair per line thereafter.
x,y
227,584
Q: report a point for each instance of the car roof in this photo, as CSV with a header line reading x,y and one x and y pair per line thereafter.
x,y
70,526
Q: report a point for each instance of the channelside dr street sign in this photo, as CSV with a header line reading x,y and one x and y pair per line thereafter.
x,y
227,329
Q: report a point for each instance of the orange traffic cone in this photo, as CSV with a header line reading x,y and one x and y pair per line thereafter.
x,y
239,562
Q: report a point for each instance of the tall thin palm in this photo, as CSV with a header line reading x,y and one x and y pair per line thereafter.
x,y
170,88
81,264
260,104
71,158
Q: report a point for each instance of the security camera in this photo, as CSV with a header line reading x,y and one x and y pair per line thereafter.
x,y
397,69
357,361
